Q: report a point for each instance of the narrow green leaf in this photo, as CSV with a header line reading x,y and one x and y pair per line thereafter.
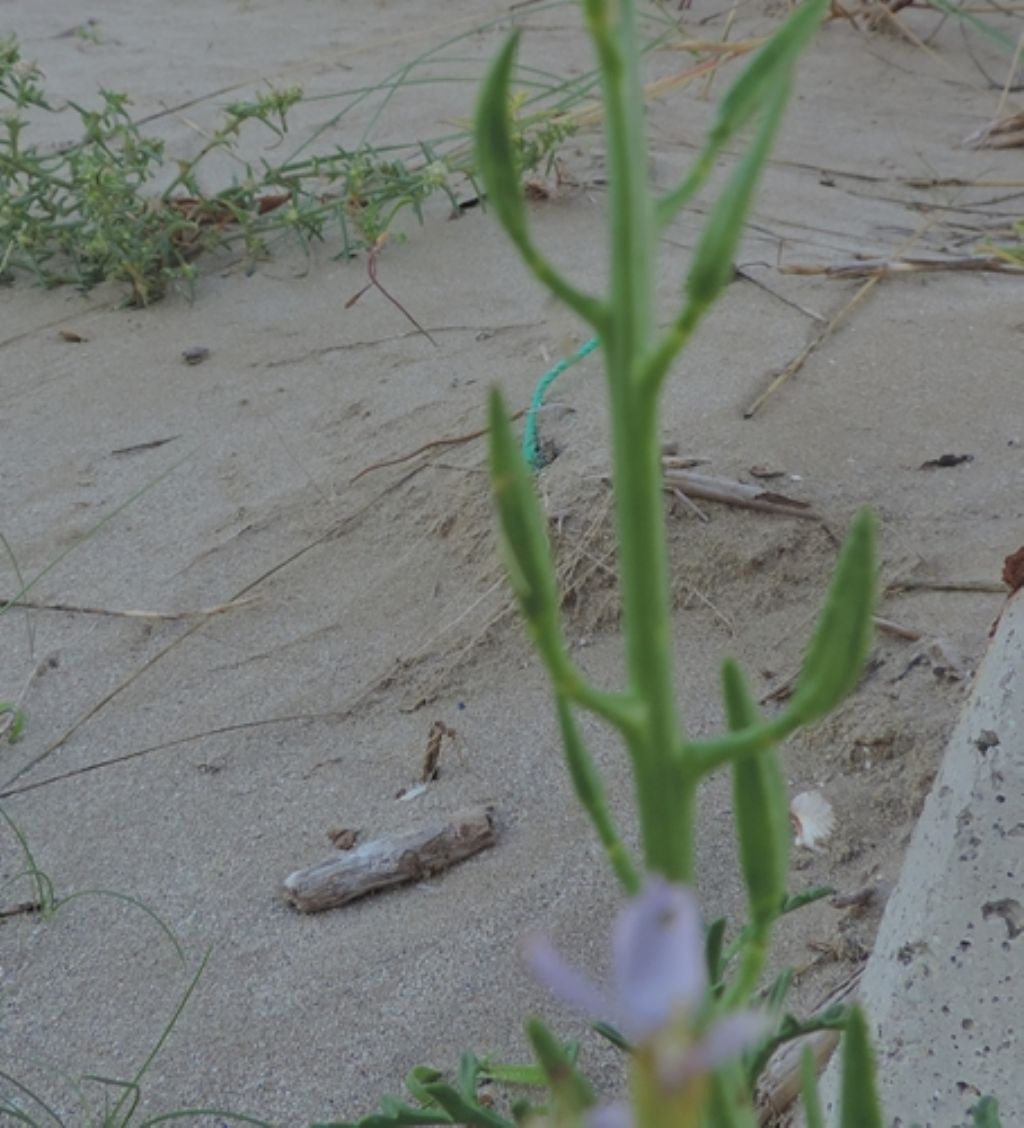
x,y
527,551
842,637
469,1071
858,1101
813,1115
760,808
570,1090
495,152
832,1018
713,261
531,1075
500,173
613,1035
772,63
589,789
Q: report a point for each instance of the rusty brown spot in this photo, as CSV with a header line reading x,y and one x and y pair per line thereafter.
x,y
1013,570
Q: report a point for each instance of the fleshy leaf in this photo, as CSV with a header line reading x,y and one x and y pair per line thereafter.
x,y
746,96
494,149
842,637
713,267
528,554
589,788
759,806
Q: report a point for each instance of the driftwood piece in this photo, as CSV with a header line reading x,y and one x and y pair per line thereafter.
x,y
885,268
779,1086
729,492
392,860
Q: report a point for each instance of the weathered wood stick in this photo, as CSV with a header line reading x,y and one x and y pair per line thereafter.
x,y
779,1086
729,492
392,860
884,268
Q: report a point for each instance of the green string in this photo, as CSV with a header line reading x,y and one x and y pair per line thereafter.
x,y
531,441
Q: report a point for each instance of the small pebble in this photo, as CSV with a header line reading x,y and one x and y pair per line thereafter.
x,y
195,355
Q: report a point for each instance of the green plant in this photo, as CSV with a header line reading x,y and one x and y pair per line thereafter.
x,y
667,765
682,999
107,208
117,206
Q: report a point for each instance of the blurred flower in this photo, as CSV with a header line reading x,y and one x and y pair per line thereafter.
x,y
659,988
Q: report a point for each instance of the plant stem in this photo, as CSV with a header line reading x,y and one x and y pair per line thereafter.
x,y
662,787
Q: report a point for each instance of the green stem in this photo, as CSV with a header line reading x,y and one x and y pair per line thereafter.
x,y
664,790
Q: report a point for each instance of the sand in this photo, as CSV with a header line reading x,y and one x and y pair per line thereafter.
x,y
191,763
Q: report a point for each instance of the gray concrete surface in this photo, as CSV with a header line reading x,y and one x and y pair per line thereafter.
x,y
943,987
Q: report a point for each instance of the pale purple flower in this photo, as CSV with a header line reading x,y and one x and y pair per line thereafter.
x,y
659,984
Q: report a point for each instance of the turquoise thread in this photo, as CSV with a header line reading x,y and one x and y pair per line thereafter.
x,y
531,441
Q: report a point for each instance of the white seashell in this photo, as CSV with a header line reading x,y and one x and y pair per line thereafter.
x,y
812,819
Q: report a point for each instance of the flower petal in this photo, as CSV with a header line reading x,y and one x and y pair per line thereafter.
x,y
566,982
658,952
618,1115
726,1039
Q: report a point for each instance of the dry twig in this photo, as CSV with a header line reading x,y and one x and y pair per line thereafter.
x,y
392,860
885,268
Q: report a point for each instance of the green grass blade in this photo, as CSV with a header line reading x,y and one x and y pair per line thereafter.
x,y
133,1085
8,1108
113,894
41,882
